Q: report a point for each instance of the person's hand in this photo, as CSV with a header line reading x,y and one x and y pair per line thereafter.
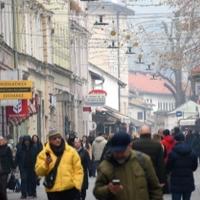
x,y
48,159
162,184
114,188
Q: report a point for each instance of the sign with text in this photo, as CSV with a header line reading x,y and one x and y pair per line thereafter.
x,y
179,113
19,89
95,100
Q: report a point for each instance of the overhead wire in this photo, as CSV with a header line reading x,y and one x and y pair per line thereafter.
x,y
107,16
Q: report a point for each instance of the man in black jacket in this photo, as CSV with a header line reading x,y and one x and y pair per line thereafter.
x,y
85,161
6,164
153,149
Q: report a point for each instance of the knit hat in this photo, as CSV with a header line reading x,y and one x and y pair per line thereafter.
x,y
53,132
179,137
120,141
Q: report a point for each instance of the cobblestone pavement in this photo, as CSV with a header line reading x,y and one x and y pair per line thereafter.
x,y
42,195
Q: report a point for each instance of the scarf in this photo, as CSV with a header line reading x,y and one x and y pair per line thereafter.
x,y
58,151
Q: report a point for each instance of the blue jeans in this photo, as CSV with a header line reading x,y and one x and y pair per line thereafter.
x,y
94,168
183,196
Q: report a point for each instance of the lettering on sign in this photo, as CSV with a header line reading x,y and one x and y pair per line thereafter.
x,y
19,89
95,100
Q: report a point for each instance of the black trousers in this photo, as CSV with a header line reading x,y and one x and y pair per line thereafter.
x,y
83,194
3,185
28,182
72,194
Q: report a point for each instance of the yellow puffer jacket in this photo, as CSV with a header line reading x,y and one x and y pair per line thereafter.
x,y
69,172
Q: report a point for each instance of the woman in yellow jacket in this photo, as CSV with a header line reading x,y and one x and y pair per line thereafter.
x,y
69,177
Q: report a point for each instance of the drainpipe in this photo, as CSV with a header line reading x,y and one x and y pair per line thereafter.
x,y
15,51
14,35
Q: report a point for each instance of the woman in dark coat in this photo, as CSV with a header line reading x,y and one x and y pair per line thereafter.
x,y
25,159
36,143
6,164
182,162
85,161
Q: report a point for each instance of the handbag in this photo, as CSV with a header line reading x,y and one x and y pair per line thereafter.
x,y
11,181
49,180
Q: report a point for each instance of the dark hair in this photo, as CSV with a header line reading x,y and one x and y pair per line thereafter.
x,y
176,130
100,133
26,138
179,137
38,139
166,132
71,139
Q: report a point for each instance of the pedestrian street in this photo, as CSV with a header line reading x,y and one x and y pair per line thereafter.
x,y
42,195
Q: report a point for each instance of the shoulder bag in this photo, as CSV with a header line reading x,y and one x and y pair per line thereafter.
x,y
49,180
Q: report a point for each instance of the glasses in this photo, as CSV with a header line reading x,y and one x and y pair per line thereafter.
x,y
56,137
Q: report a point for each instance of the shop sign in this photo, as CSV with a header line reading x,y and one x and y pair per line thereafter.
x,y
96,97
87,109
18,89
20,110
95,100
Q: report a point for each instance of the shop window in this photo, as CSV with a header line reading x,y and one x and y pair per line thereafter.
x,y
140,115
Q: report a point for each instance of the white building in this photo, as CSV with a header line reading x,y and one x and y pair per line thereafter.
x,y
108,43
152,91
187,112
149,99
106,115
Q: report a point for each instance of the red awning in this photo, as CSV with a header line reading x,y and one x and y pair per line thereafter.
x,y
98,91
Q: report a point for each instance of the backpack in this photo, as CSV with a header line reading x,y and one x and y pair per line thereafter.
x,y
141,160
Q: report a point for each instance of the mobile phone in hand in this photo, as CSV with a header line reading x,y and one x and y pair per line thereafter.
x,y
116,182
48,154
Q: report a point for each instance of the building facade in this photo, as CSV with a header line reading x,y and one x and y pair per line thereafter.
x,y
152,99
41,31
108,43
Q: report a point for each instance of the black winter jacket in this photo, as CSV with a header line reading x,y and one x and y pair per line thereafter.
x,y
85,161
153,149
181,164
26,157
6,159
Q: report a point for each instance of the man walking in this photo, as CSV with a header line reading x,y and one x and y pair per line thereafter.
x,y
126,174
97,150
85,161
63,159
153,149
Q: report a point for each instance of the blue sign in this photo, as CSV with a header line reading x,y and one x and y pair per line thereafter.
x,y
179,113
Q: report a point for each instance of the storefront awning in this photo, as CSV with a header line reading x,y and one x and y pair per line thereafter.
x,y
113,115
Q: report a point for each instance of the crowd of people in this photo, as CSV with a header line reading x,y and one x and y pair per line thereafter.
x,y
140,167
